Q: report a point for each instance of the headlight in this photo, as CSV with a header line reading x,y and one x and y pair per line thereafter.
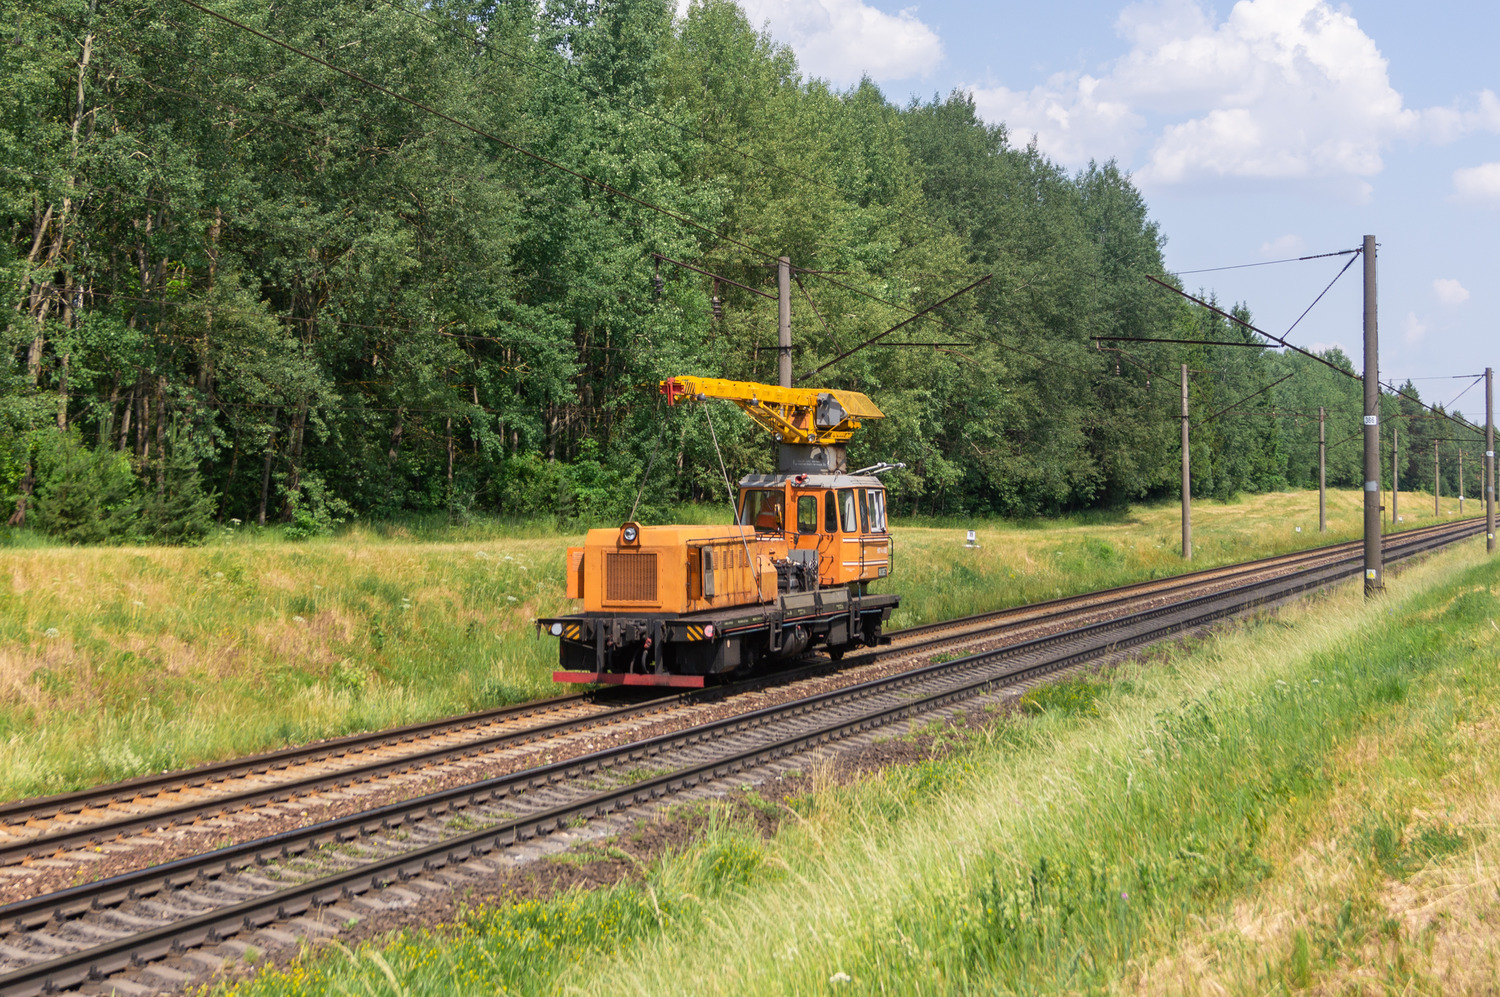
x,y
630,534
557,629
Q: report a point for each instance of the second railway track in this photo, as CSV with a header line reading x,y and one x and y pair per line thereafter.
x,y
63,939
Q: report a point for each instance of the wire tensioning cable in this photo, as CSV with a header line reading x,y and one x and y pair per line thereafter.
x,y
1230,408
1319,297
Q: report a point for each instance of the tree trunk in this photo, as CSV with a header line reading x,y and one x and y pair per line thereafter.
x,y
107,423
62,394
161,436
294,482
265,477
234,464
125,420
448,429
143,430
205,354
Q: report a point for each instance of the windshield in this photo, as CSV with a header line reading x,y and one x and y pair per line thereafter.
x,y
763,508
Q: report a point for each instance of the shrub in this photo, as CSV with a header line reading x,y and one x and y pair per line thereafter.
x,y
87,495
181,511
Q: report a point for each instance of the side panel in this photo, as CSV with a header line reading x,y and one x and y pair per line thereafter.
x,y
575,573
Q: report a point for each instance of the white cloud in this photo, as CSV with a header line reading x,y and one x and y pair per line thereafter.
x,y
1450,291
841,40
1285,245
1413,329
1067,115
1280,90
1478,183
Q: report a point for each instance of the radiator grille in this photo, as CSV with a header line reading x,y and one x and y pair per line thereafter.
x,y
629,577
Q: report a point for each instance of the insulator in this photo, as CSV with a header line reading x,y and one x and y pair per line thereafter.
x,y
656,285
1148,384
716,304
1117,368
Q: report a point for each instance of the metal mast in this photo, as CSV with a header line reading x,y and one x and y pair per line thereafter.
x,y
1373,579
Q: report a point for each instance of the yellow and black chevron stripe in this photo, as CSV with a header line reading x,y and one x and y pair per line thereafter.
x,y
572,631
694,632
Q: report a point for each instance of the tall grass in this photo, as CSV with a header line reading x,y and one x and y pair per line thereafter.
x,y
115,661
1034,560
118,661
1077,849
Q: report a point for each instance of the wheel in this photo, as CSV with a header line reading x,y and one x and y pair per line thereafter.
x,y
837,653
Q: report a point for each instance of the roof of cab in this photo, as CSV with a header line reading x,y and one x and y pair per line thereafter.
x,y
811,481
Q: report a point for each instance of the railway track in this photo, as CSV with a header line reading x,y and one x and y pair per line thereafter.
x,y
57,825
64,939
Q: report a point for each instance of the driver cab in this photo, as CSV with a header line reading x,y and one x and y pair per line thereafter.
x,y
837,519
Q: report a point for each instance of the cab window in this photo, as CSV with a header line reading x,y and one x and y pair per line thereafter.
x,y
846,504
877,510
830,513
764,509
807,514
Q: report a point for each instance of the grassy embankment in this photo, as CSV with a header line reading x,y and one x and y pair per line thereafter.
x,y
117,661
1305,803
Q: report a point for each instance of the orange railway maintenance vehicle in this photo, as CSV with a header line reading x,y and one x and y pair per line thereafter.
x,y
677,605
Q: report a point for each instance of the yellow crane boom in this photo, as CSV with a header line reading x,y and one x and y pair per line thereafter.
x,y
798,416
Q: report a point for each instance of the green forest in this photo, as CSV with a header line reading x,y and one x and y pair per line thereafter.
x,y
245,285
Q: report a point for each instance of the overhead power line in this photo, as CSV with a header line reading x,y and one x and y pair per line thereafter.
x,y
1266,263
1310,355
1183,342
876,339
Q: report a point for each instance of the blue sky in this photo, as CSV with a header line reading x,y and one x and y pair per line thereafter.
x,y
1257,130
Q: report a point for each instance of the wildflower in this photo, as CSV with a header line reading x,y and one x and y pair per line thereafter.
x,y
137,602
1125,896
840,977
50,632
481,555
236,522
510,598
218,574
299,619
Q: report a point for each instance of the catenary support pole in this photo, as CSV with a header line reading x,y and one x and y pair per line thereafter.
x,y
1187,481
1437,482
1460,482
784,321
1322,473
1489,458
1373,567
1395,475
